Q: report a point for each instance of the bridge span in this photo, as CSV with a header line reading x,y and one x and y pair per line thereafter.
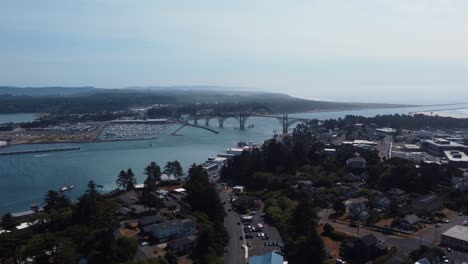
x,y
242,118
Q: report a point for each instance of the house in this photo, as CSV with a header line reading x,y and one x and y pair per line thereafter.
x,y
358,212
182,245
426,203
306,186
351,177
460,183
149,252
173,229
395,192
149,220
408,222
356,163
349,191
363,249
383,203
269,258
124,211
238,189
397,195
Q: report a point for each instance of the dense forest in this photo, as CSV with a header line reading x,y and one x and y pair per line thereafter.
x,y
417,121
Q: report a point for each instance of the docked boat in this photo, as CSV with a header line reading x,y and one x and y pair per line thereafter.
x,y
66,188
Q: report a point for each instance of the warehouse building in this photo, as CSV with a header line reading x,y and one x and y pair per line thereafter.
x,y
456,238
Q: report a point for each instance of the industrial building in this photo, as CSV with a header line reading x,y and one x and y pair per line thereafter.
x,y
457,158
456,238
437,146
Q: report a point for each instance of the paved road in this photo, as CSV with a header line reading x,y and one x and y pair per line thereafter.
x,y
385,147
235,253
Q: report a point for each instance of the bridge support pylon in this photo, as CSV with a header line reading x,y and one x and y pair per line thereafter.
x,y
285,122
221,121
242,119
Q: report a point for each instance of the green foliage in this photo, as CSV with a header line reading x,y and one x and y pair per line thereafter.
x,y
8,222
173,168
153,173
209,212
54,200
126,180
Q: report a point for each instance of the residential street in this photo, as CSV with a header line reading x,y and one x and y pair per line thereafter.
x,y
405,243
235,253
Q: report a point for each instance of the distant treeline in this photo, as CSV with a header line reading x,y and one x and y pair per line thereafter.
x,y
102,100
418,121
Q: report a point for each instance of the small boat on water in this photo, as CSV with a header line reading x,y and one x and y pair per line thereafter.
x,y
66,188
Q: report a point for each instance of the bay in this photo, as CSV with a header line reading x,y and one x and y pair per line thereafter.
x,y
17,118
25,178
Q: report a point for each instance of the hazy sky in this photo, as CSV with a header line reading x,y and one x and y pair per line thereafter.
x,y
360,50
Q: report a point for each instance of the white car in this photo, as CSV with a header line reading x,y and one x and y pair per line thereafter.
x,y
465,222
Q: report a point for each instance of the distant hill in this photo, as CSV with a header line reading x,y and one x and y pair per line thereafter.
x,y
42,91
92,100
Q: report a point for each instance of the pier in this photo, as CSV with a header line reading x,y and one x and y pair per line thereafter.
x,y
38,151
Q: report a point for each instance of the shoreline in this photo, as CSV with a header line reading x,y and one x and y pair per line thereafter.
x,y
76,142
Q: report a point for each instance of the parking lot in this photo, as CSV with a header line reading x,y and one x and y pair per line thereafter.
x,y
258,245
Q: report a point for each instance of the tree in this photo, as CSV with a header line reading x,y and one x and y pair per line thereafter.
x,y
131,181
122,180
8,222
151,200
55,200
339,207
173,168
153,173
126,180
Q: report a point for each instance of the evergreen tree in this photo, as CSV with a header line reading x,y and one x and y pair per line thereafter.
x,y
122,180
8,222
131,181
153,173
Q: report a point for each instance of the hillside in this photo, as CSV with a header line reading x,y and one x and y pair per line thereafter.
x,y
92,100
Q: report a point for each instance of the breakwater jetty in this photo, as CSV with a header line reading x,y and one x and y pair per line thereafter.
x,y
37,151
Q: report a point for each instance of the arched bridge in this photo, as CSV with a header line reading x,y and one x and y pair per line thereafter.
x,y
242,117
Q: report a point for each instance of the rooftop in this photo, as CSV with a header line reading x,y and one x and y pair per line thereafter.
x,y
456,156
269,258
440,142
458,232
